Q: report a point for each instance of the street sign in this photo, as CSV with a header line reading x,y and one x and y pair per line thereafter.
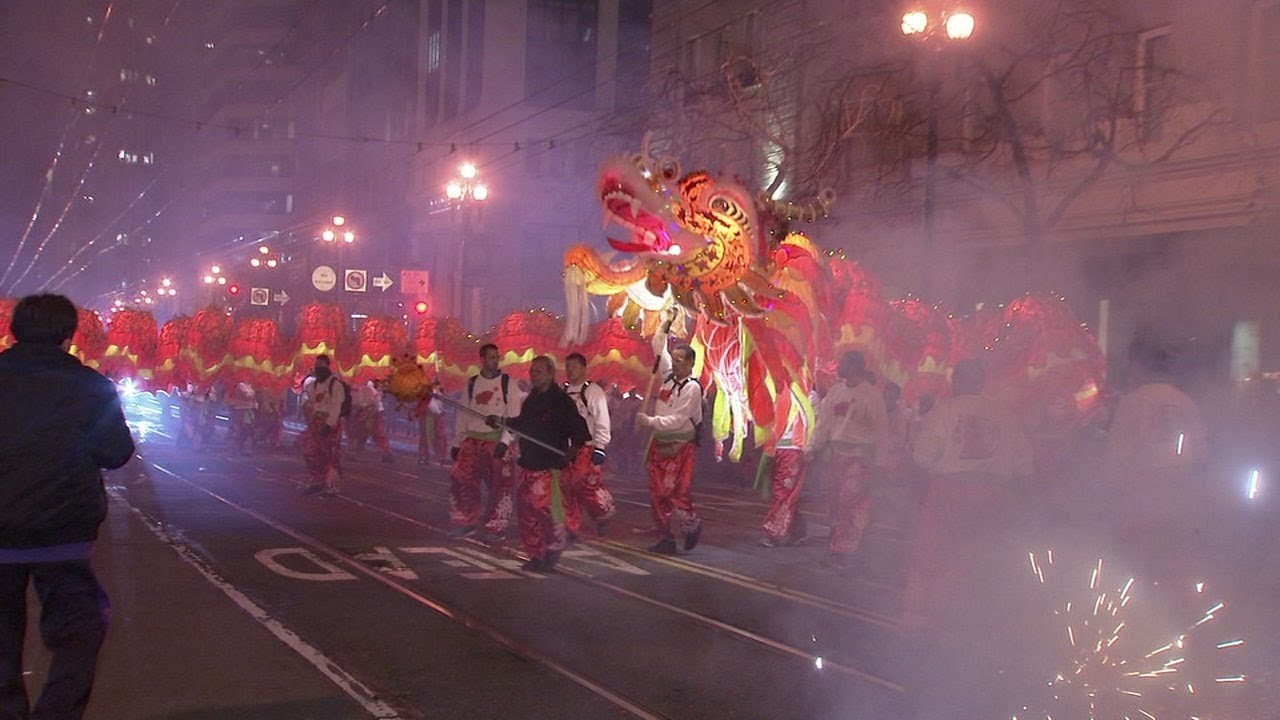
x,y
323,278
260,296
356,281
415,282
281,297
383,282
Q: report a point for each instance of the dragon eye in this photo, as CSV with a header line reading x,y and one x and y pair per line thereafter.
x,y
720,204
670,169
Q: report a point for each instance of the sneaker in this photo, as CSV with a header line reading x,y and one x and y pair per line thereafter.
x,y
767,542
691,539
665,546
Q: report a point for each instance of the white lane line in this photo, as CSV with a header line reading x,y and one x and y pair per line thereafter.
x,y
458,616
344,680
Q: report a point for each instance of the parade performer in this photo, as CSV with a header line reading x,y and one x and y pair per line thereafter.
x,y
851,428
973,449
432,440
243,405
481,459
584,485
549,415
1153,475
367,422
270,417
323,398
783,524
675,424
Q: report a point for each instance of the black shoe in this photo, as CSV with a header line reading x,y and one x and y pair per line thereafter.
x,y
550,560
602,528
388,457
489,537
312,489
461,531
534,565
665,546
691,539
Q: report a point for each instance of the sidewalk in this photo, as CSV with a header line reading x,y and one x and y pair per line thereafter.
x,y
179,648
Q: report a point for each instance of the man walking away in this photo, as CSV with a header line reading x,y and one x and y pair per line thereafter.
x,y
60,424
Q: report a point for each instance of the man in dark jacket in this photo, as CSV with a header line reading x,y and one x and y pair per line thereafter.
x,y
60,424
551,416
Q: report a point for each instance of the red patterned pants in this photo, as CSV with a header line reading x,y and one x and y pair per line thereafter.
x,y
583,486
475,471
670,467
786,481
850,501
542,527
366,424
323,454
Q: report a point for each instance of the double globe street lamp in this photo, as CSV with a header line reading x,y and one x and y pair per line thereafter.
x,y
462,190
934,32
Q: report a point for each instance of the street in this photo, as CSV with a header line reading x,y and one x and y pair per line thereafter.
x,y
235,596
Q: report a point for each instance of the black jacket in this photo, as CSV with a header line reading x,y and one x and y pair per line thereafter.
x,y
60,423
552,417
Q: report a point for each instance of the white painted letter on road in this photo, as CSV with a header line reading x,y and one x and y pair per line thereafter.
x,y
328,571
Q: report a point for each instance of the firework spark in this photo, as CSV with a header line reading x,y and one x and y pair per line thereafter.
x,y
1116,661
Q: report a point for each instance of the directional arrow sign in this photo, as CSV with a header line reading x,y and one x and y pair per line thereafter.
x,y
281,297
383,283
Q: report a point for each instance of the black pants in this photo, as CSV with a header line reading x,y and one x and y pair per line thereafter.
x,y
73,623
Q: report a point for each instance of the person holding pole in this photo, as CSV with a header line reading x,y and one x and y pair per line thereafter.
x,y
675,422
548,424
481,458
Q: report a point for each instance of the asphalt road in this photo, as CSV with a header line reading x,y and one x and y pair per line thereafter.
x,y
235,596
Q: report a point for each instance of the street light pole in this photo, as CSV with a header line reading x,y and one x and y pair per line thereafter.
x,y
933,32
463,191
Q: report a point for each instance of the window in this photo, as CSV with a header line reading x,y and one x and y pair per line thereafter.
x,y
1154,92
1266,57
561,34
435,61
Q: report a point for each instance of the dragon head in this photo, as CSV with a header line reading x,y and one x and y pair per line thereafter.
x,y
638,195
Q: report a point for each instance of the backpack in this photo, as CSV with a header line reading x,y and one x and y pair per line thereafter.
x,y
698,426
346,396
582,394
471,387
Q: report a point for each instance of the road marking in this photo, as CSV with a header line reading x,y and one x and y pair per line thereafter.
x,y
329,571
356,690
456,559
457,616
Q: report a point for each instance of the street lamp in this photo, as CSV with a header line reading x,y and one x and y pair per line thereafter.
x,y
934,32
463,190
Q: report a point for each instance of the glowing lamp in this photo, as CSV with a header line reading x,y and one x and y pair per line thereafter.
x,y
915,22
960,26
263,249
467,171
327,235
453,190
339,220
348,237
255,262
480,192
420,307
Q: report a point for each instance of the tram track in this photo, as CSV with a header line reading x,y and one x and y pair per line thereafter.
x,y
843,610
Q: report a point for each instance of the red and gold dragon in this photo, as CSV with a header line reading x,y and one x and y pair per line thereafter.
x,y
769,315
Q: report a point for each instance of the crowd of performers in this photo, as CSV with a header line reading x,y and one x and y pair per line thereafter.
x,y
528,457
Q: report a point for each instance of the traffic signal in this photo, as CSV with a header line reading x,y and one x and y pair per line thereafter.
x,y
421,307
233,289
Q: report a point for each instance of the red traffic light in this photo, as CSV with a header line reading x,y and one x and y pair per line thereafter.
x,y
233,289
420,307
